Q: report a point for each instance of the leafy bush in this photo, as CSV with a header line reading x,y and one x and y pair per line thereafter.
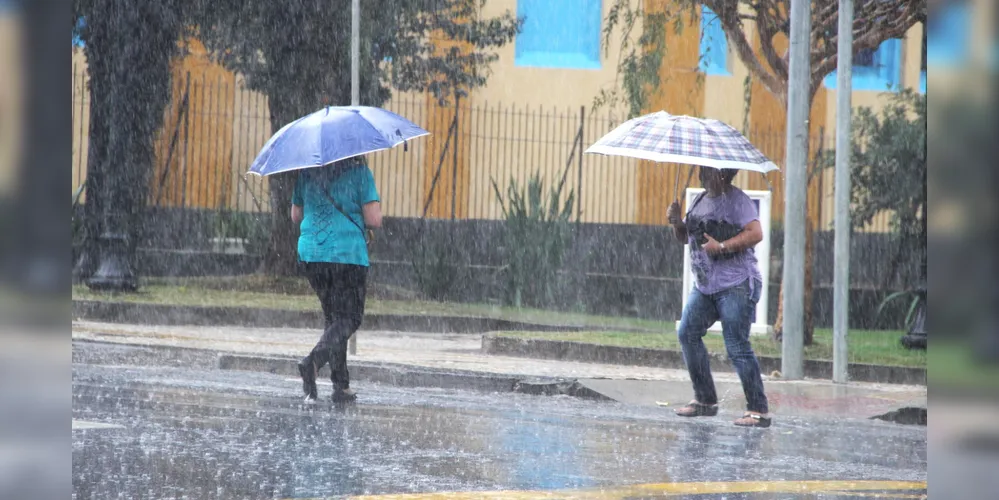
x,y
244,225
537,232
888,174
439,262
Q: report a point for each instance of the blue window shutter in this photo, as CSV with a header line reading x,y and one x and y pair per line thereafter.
x,y
80,23
947,32
877,71
559,34
714,45
888,61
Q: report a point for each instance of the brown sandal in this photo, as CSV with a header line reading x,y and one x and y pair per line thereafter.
x,y
695,409
753,420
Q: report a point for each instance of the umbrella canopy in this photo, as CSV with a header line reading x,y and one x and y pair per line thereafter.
x,y
663,137
332,134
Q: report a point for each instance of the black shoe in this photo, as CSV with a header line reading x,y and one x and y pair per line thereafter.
x,y
343,396
308,372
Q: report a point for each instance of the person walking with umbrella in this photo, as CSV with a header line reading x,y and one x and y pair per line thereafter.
x,y
334,206
721,228
335,202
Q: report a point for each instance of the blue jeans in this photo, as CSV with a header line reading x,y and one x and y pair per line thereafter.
x,y
735,307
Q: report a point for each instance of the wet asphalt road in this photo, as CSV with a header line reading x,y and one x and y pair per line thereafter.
x,y
168,432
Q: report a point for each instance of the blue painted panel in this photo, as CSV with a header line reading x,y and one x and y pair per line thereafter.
x,y
878,70
77,42
714,44
947,33
559,34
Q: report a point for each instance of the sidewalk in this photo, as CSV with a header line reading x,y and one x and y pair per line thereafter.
x,y
251,347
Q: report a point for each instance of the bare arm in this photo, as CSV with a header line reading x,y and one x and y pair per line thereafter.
x,y
748,238
680,232
297,214
372,215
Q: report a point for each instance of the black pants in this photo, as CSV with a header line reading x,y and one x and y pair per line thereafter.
x,y
341,289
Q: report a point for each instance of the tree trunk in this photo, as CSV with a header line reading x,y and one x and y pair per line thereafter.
x,y
93,209
138,92
778,333
281,258
809,322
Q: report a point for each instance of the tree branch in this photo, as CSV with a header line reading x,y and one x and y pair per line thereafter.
x,y
768,24
875,22
731,21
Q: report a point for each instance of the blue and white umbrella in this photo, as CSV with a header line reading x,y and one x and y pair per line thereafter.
x,y
666,138
332,134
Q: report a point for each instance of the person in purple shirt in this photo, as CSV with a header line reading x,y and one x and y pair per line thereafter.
x,y
721,228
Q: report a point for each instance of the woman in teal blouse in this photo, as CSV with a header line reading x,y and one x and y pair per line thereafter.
x,y
334,205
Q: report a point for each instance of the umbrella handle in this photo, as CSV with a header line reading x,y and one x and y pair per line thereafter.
x,y
689,177
676,186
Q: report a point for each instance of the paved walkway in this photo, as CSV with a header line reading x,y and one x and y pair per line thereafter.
x,y
631,384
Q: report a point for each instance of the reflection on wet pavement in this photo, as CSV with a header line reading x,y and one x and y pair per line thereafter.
x,y
227,435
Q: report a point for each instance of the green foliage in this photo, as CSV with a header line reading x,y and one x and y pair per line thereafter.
x,y
440,264
298,51
247,226
536,235
914,297
639,63
888,173
888,162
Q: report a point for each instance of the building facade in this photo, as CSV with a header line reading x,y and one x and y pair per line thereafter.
x,y
536,114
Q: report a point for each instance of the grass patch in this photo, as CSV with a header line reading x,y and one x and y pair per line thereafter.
x,y
954,366
292,296
880,347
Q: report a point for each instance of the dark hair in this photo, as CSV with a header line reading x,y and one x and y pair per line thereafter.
x,y
728,174
329,172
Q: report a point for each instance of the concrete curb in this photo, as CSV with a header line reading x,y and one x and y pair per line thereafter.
x,y
417,376
660,358
162,314
399,375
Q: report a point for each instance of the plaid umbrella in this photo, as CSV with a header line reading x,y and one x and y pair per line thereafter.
x,y
663,137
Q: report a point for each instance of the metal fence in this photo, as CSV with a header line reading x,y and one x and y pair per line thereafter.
x,y
214,127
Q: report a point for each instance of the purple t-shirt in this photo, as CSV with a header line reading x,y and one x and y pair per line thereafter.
x,y
726,215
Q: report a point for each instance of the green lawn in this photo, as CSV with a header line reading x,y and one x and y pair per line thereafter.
x,y
197,294
865,346
954,367
875,347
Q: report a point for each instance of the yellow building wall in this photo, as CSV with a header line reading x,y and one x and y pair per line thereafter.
x,y
446,169
522,121
400,173
215,141
535,113
81,122
11,108
199,173
681,92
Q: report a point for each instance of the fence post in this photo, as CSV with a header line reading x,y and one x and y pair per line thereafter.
x,y
187,129
437,174
454,156
173,144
